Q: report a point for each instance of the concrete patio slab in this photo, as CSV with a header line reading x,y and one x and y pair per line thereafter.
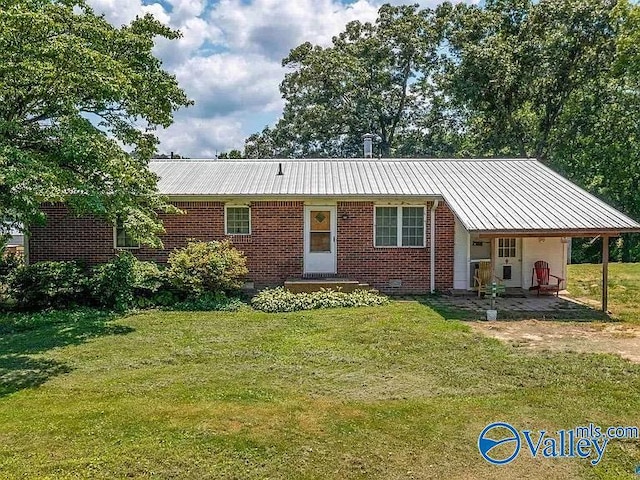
x,y
527,306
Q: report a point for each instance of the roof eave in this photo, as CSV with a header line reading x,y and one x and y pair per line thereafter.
x,y
572,232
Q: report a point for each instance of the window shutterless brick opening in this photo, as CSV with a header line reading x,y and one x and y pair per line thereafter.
x,y
237,220
399,226
122,239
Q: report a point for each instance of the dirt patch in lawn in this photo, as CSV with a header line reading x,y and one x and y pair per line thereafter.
x,y
617,338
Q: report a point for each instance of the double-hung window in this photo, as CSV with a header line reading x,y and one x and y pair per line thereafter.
x,y
122,238
399,226
237,220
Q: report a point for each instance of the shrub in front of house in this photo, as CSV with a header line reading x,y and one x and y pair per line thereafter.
x,y
121,283
207,267
148,278
209,302
111,283
126,282
201,276
282,300
48,285
9,262
151,286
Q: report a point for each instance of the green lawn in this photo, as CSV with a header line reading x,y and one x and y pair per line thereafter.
x,y
585,283
387,392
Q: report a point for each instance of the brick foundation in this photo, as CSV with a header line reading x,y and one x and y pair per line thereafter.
x,y
274,249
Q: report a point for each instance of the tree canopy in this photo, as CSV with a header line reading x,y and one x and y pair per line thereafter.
x,y
370,80
79,101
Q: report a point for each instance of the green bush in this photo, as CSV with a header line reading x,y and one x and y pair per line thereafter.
x,y
151,287
9,262
125,282
148,279
282,300
48,285
162,298
111,283
201,267
210,302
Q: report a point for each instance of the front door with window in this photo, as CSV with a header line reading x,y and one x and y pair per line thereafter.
x,y
509,261
320,239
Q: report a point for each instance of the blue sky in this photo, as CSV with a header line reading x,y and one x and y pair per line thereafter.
x,y
229,59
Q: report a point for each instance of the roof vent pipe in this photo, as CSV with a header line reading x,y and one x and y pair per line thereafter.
x,y
280,169
368,144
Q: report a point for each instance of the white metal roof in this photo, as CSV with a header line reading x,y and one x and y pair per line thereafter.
x,y
486,194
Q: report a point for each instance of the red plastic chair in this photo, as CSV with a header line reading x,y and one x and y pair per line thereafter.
x,y
542,275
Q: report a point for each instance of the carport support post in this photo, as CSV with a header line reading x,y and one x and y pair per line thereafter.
x,y
605,272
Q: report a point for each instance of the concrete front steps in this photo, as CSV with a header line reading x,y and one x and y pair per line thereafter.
x,y
308,285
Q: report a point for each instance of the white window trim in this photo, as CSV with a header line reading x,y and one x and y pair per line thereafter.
x,y
115,241
399,226
226,231
508,248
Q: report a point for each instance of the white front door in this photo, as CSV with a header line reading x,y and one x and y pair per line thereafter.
x,y
320,239
508,262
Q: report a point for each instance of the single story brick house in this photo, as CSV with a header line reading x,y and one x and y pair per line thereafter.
x,y
400,225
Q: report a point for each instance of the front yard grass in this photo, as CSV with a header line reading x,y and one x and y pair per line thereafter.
x,y
383,392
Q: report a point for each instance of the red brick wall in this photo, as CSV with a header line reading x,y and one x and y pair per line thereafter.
x,y
201,221
378,266
276,228
67,237
274,249
445,244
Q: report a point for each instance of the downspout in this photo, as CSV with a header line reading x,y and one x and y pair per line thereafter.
x,y
432,250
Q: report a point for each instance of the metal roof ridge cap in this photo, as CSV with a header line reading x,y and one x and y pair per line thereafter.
x,y
426,160
338,196
360,160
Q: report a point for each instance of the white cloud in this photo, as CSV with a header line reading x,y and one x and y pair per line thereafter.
x,y
158,11
227,83
182,10
229,58
121,12
272,27
195,32
202,137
